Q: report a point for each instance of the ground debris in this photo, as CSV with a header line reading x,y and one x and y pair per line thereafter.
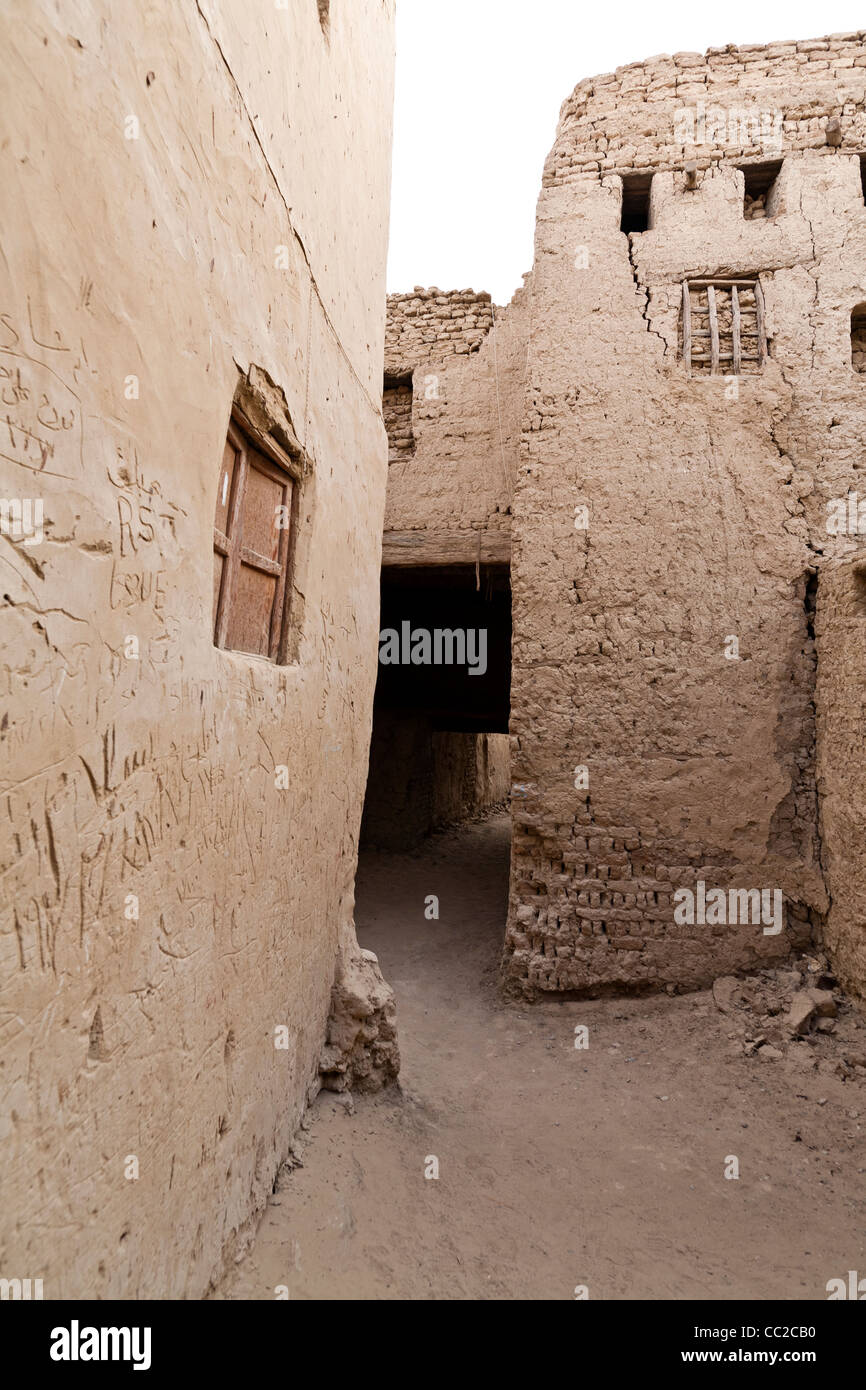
x,y
798,1014
361,1051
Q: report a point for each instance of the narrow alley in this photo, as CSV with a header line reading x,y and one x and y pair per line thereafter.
x,y
560,1167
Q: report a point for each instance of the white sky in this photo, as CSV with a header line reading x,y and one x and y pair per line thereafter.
x,y
479,87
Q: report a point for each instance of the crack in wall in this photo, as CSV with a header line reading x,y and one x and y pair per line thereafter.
x,y
644,291
375,404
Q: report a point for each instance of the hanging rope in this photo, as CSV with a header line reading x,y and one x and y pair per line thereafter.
x,y
505,475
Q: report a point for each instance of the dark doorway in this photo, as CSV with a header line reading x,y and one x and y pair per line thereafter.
x,y
439,750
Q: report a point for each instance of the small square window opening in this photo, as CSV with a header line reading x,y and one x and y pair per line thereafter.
x,y
635,215
761,193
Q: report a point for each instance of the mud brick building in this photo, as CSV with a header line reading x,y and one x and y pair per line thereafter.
x,y
440,740
679,403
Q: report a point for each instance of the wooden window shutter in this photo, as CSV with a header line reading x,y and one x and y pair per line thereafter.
x,y
253,539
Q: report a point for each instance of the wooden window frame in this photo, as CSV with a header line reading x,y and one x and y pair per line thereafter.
x,y
738,356
276,464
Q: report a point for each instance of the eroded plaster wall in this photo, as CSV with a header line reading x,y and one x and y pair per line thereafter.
x,y
706,510
190,190
451,499
423,779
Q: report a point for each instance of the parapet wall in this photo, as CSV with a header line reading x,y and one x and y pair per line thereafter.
x,y
730,101
427,325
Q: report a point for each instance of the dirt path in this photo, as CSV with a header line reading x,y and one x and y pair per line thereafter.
x,y
559,1167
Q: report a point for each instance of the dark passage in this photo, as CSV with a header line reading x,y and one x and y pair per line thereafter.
x,y
439,750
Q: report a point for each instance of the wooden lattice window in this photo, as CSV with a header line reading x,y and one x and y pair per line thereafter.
x,y
253,541
723,326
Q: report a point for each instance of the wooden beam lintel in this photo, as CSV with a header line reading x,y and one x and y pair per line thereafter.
x,y
430,548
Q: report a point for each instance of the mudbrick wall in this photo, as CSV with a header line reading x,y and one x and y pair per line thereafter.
x,y
427,325
640,117
674,578
453,400
422,779
179,823
473,775
466,379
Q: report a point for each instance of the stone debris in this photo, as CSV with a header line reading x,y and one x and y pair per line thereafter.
x,y
782,1014
727,992
360,1052
800,1013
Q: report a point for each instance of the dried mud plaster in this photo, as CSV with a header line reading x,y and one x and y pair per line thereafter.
x,y
172,920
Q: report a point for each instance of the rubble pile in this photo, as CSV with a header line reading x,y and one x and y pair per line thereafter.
x,y
796,1014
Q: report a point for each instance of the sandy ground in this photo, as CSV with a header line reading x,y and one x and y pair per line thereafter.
x,y
558,1167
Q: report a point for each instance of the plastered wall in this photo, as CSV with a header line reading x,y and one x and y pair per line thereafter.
x,y
190,190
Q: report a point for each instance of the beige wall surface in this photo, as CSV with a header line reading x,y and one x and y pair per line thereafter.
x,y
189,191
